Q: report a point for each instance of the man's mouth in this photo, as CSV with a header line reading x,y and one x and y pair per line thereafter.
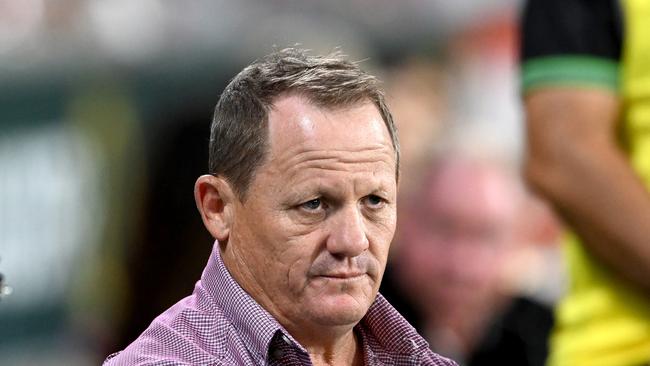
x,y
344,275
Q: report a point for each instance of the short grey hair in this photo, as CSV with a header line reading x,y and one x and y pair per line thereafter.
x,y
239,131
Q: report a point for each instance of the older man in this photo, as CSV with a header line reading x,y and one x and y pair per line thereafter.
x,y
304,160
453,275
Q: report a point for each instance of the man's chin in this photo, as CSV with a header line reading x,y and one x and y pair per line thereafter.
x,y
339,310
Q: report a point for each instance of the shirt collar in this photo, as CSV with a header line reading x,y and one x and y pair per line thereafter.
x,y
389,331
252,322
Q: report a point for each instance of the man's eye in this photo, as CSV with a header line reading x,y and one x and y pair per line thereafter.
x,y
312,205
374,200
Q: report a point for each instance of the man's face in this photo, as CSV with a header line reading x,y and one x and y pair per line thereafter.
x,y
455,242
310,240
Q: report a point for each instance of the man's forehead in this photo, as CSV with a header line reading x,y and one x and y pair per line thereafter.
x,y
307,142
294,119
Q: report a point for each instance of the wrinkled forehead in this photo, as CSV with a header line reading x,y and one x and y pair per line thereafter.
x,y
296,122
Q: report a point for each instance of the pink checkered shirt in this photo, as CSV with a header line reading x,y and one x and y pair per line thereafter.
x,y
220,324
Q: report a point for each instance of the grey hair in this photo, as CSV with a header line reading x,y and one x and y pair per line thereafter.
x,y
239,131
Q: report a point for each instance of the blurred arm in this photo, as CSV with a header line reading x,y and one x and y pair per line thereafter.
x,y
575,162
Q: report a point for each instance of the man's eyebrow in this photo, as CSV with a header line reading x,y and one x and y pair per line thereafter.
x,y
306,190
302,190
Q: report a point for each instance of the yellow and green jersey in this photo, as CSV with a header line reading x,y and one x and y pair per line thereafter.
x,y
601,321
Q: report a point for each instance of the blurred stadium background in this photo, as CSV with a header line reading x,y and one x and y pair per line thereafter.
x,y
104,117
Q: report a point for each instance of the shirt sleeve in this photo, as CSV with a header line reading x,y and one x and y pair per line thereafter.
x,y
574,42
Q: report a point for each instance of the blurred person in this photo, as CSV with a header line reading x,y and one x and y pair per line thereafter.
x,y
586,83
458,236
304,160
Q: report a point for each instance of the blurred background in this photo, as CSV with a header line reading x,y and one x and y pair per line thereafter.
x,y
105,109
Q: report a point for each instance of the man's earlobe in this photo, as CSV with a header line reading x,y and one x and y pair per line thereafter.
x,y
214,199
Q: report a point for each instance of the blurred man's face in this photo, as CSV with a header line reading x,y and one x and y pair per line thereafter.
x,y
311,239
454,240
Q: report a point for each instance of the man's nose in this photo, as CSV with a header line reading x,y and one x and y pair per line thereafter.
x,y
347,233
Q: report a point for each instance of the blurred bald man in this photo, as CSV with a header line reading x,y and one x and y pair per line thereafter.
x,y
458,235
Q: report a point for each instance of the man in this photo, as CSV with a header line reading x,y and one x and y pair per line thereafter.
x,y
460,233
304,160
586,83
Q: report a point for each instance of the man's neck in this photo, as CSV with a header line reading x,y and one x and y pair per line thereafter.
x,y
345,350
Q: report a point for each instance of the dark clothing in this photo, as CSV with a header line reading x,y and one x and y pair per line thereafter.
x,y
519,336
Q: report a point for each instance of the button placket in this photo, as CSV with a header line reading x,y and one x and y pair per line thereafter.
x,y
280,350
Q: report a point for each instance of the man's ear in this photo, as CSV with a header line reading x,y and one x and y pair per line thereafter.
x,y
215,200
